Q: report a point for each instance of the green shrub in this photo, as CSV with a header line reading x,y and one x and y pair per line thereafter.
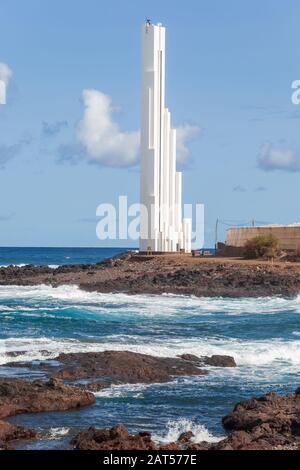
x,y
262,246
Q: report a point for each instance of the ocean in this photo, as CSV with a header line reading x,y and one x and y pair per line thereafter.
x,y
262,334
55,256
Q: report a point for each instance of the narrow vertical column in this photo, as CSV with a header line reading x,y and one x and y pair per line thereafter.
x,y
172,189
187,234
178,209
166,179
161,125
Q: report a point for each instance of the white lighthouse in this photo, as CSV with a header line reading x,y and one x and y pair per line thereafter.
x,y
162,227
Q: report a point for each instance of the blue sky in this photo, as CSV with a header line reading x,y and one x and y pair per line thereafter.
x,y
230,66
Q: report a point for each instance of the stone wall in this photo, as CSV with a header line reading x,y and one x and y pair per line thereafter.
x,y
289,235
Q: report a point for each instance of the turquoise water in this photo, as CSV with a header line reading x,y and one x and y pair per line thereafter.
x,y
262,334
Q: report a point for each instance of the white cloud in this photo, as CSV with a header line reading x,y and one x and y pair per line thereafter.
x,y
185,134
103,142
5,73
101,136
278,158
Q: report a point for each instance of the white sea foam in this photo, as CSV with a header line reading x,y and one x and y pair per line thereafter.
x,y
122,391
31,349
6,308
177,427
164,305
57,433
246,353
21,265
14,308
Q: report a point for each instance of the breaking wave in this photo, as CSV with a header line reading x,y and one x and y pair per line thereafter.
x,y
69,302
21,265
57,433
176,427
164,305
263,335
123,391
246,353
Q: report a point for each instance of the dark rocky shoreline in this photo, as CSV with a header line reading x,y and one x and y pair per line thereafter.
x,y
68,382
269,422
132,273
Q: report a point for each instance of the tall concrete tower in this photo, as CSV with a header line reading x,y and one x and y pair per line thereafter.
x,y
162,227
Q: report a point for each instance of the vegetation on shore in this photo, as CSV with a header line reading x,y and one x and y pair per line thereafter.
x,y
262,246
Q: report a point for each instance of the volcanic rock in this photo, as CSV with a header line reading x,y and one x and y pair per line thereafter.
x,y
11,432
269,422
20,396
98,370
185,437
264,423
177,274
116,438
215,360
282,413
219,361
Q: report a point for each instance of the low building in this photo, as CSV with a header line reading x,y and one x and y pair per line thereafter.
x,y
288,235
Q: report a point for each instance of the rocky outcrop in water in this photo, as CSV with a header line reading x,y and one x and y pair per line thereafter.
x,y
102,369
11,432
124,367
99,370
215,361
266,422
116,438
20,396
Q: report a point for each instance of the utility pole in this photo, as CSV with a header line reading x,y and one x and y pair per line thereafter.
x,y
216,235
